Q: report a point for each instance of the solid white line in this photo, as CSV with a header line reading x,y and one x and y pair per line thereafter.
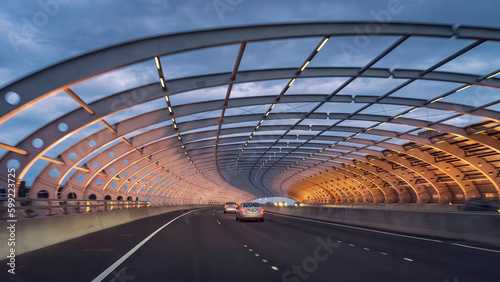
x,y
477,248
361,228
123,258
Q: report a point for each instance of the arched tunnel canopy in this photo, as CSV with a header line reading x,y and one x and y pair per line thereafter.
x,y
359,114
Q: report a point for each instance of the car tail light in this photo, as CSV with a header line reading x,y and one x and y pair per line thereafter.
x,y
226,206
261,211
243,211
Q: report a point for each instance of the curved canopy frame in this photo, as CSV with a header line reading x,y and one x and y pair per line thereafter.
x,y
297,154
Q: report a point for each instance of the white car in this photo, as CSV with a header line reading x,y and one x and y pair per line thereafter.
x,y
250,211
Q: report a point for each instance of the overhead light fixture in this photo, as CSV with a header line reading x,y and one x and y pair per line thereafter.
x,y
322,44
435,100
157,61
493,75
291,82
272,106
162,82
465,87
398,116
305,65
167,99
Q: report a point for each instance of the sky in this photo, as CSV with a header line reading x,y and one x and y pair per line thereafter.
x,y
37,34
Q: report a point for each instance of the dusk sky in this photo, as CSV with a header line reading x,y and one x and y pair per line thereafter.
x,y
37,34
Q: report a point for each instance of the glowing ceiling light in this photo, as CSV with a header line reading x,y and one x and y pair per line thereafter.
x,y
322,44
465,87
162,82
291,82
435,100
305,65
272,106
414,109
167,99
493,75
170,109
398,116
157,61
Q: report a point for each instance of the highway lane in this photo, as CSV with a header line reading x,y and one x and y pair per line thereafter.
x,y
209,245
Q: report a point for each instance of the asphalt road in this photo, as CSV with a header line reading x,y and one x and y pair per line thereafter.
x,y
208,245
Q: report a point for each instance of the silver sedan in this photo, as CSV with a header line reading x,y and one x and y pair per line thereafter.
x,y
250,211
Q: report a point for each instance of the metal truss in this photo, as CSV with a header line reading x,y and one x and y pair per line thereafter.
x,y
214,159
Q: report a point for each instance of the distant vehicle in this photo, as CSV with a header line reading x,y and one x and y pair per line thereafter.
x,y
478,204
297,204
250,211
281,204
230,207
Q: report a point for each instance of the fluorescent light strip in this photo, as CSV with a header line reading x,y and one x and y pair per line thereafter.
x,y
493,75
465,87
166,98
291,82
157,61
322,44
435,100
162,82
305,65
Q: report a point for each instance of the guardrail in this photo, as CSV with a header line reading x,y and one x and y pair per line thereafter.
x,y
29,207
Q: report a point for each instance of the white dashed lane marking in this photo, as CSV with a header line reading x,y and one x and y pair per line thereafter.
x,y
382,253
366,249
408,259
274,267
263,260
217,221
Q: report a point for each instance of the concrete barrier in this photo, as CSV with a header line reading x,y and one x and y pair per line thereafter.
x,y
482,227
36,233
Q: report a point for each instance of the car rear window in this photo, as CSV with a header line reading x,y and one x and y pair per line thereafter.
x,y
248,205
230,203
